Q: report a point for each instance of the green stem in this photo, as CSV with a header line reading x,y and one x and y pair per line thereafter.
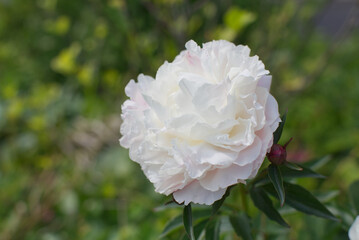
x,y
244,198
232,206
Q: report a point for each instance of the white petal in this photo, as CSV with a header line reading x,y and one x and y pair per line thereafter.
x,y
195,193
265,81
250,153
170,184
190,158
271,111
192,46
215,156
354,230
224,177
158,108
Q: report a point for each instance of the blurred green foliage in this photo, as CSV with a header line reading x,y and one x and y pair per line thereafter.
x,y
63,68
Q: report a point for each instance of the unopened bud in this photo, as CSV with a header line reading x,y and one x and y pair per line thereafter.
x,y
277,154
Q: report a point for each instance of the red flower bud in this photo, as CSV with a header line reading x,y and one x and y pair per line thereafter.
x,y
277,154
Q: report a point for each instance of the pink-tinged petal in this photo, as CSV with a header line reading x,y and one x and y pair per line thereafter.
x,y
192,46
195,193
224,177
203,124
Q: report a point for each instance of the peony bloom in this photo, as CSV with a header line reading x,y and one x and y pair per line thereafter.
x,y
204,123
354,230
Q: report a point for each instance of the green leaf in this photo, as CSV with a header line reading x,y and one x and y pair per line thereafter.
x,y
213,229
263,203
187,221
318,163
302,200
354,195
327,196
168,205
217,204
172,225
305,172
237,19
293,166
198,228
200,213
176,223
288,173
277,181
278,133
241,226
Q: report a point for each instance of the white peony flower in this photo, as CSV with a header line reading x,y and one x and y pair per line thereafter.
x,y
354,230
204,123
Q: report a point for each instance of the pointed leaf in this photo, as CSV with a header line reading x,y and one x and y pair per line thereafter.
x,y
305,172
293,166
288,173
187,221
168,205
302,200
263,203
200,213
354,195
276,178
241,226
172,225
217,204
278,133
177,222
198,229
327,196
213,229
318,163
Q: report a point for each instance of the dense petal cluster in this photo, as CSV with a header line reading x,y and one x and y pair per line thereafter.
x,y
205,122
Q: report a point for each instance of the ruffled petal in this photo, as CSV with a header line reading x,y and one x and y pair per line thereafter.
x,y
224,177
195,193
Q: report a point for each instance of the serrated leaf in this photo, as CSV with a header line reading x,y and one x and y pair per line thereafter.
x,y
217,204
289,173
241,226
187,221
263,203
354,195
172,225
277,181
278,133
302,200
213,229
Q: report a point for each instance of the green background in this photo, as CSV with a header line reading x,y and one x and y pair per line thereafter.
x,y
63,68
